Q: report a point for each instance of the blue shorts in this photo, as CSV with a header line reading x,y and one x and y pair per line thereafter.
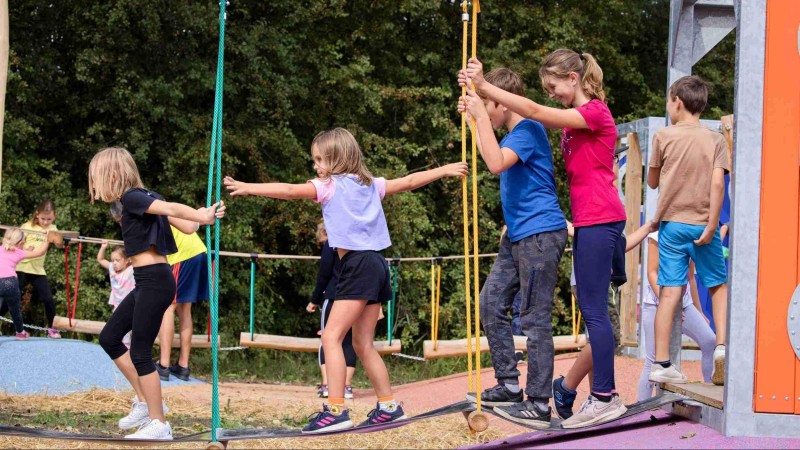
x,y
675,247
191,277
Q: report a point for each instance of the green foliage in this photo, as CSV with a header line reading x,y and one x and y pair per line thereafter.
x,y
140,74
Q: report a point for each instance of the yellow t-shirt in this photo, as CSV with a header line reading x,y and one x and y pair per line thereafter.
x,y
189,245
34,266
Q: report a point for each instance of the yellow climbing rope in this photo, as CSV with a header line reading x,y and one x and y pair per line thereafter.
x,y
464,194
475,282
436,297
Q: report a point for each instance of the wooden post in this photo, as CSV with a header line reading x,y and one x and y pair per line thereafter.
x,y
633,209
4,48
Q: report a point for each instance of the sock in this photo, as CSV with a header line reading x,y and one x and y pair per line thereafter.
x,y
570,391
603,398
387,404
513,388
336,405
664,364
541,405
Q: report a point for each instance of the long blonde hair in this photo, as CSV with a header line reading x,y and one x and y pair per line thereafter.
x,y
563,61
111,173
341,154
12,238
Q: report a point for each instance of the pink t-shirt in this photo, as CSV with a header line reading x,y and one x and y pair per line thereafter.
x,y
589,159
9,260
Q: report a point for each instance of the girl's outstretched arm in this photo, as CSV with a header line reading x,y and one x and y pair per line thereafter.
x,y
42,249
283,191
419,179
101,255
547,116
205,216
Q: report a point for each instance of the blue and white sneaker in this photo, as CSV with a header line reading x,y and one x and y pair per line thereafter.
x,y
563,398
331,418
378,416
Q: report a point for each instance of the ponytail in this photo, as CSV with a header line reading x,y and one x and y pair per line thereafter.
x,y
12,238
562,62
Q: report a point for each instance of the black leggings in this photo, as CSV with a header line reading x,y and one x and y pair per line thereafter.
x,y
347,343
9,298
141,312
41,292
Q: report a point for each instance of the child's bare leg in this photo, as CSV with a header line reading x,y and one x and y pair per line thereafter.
x,y
580,368
166,334
125,365
151,388
185,318
719,300
343,314
363,337
667,303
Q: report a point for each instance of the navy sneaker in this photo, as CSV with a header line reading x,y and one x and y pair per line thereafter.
x,y
563,398
179,371
526,413
328,420
378,416
163,372
497,396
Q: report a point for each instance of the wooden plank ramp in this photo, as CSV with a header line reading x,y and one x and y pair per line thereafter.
x,y
94,327
301,344
458,347
707,394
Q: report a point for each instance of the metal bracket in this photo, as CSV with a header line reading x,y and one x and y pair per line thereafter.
x,y
793,322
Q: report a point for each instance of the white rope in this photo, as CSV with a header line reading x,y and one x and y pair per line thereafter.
x,y
31,327
415,358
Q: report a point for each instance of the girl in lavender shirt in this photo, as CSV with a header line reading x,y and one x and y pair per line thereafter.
x,y
351,208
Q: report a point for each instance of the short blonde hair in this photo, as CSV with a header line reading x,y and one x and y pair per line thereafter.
x,y
12,238
111,173
341,154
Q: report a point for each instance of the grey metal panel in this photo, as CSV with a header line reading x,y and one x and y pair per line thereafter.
x,y
746,208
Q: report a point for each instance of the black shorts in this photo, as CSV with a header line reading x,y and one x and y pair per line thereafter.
x,y
364,275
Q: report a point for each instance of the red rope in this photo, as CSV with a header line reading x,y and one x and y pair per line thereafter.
x,y
66,277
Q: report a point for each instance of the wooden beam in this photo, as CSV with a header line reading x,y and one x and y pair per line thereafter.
x,y
458,347
299,344
95,327
727,130
633,209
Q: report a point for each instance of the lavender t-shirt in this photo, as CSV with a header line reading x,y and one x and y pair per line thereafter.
x,y
352,212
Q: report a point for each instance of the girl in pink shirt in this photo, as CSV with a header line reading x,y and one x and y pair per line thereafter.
x,y
587,145
11,253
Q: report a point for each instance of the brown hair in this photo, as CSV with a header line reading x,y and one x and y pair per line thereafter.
x,y
693,92
341,154
121,250
112,172
44,206
12,238
562,62
506,79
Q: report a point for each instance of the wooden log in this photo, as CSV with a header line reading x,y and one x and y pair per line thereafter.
x,y
458,347
94,327
633,209
300,344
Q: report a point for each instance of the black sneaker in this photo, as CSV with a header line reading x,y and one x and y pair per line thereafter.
x,y
525,413
163,372
181,372
497,396
563,398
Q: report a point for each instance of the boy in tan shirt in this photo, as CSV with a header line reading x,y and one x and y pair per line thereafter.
x,y
688,166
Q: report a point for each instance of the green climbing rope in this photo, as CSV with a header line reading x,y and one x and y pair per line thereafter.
x,y
394,270
252,295
214,183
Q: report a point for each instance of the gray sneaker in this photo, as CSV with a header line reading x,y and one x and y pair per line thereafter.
x,y
593,411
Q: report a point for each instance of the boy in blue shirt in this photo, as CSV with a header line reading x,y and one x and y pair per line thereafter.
x,y
529,254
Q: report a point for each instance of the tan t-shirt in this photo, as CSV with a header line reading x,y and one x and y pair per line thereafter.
x,y
687,154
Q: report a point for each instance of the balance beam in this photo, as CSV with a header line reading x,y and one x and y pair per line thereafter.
x,y
94,327
458,347
299,344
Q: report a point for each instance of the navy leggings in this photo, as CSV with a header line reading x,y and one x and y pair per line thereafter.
x,y
141,312
593,249
9,298
347,343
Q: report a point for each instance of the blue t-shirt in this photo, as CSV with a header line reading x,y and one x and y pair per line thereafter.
x,y
528,188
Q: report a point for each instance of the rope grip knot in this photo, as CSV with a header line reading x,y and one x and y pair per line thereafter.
x,y
254,257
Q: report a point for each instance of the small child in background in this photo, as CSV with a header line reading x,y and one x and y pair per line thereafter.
x,y
11,254
120,272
